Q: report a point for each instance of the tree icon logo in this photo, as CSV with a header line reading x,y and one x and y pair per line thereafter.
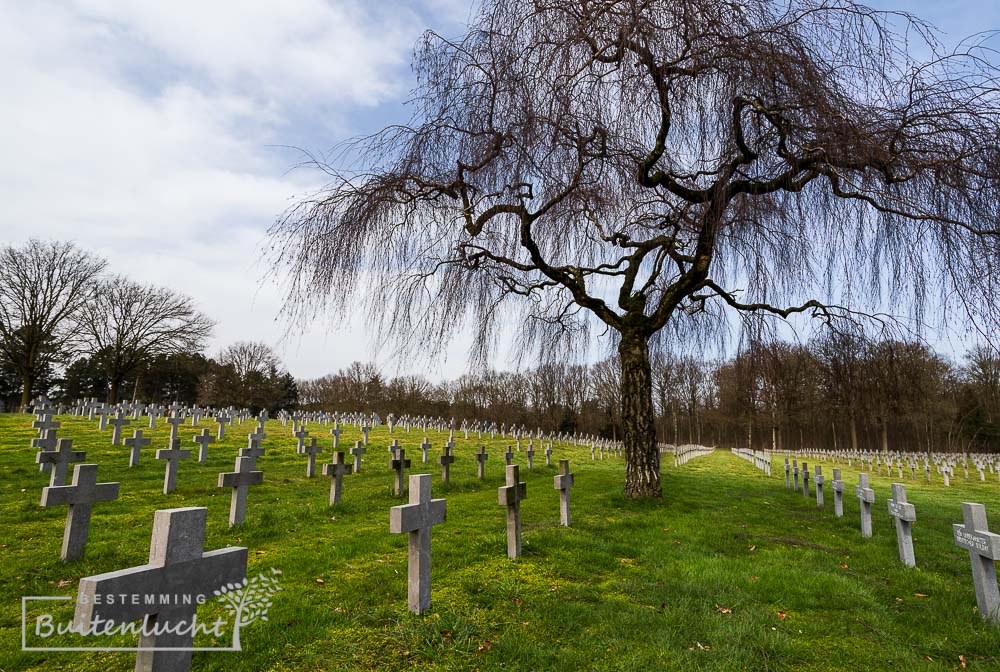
x,y
248,600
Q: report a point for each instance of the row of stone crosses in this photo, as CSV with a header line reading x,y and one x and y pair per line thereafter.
x,y
942,463
972,535
178,534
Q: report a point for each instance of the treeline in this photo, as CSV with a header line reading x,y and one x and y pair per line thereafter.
x,y
836,391
71,329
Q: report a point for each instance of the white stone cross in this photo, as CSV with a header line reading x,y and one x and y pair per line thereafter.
x,y
357,451
399,464
416,519
312,450
905,515
818,481
838,494
81,496
136,443
177,567
336,470
240,480
481,458
119,421
203,440
866,497
60,459
172,455
563,482
425,446
446,460
984,550
510,495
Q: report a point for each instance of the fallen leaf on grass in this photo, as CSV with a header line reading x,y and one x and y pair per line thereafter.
x,y
702,647
753,548
517,601
485,646
961,659
753,579
843,565
677,541
554,588
723,610
782,615
320,581
919,595
64,582
261,552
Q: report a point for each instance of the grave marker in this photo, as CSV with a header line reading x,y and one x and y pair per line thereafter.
x,y
137,442
905,516
984,550
866,497
60,459
336,470
172,455
240,480
177,566
81,496
203,440
510,496
399,464
416,519
563,482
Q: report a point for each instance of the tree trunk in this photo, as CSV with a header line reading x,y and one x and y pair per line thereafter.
x,y
642,459
854,434
116,384
27,382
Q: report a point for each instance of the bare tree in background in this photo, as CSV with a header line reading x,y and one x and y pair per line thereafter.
x,y
127,324
640,167
43,286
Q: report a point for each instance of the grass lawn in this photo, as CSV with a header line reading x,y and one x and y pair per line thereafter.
x,y
730,572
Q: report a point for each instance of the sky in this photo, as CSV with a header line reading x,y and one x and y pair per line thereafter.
x,y
161,136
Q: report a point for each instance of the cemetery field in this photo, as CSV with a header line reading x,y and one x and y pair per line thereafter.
x,y
731,572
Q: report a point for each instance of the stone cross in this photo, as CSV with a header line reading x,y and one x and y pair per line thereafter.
x,y
336,470
563,482
174,422
253,450
984,550
119,422
548,455
425,446
795,474
446,461
357,451
416,519
136,443
221,434
172,455
481,458
399,464
818,481
301,436
81,497
102,423
312,450
60,459
508,456
805,479
905,516
838,494
530,453
177,566
788,478
203,440
866,497
335,433
239,480
365,431
47,442
510,495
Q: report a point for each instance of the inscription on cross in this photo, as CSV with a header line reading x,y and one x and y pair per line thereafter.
x,y
984,550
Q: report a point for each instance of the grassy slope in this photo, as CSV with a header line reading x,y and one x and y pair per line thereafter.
x,y
632,586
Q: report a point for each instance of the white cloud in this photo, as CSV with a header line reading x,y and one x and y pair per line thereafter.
x,y
145,131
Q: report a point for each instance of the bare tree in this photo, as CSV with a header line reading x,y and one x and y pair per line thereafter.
x,y
43,285
635,165
127,324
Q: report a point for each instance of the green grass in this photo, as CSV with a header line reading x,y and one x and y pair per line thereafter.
x,y
696,582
